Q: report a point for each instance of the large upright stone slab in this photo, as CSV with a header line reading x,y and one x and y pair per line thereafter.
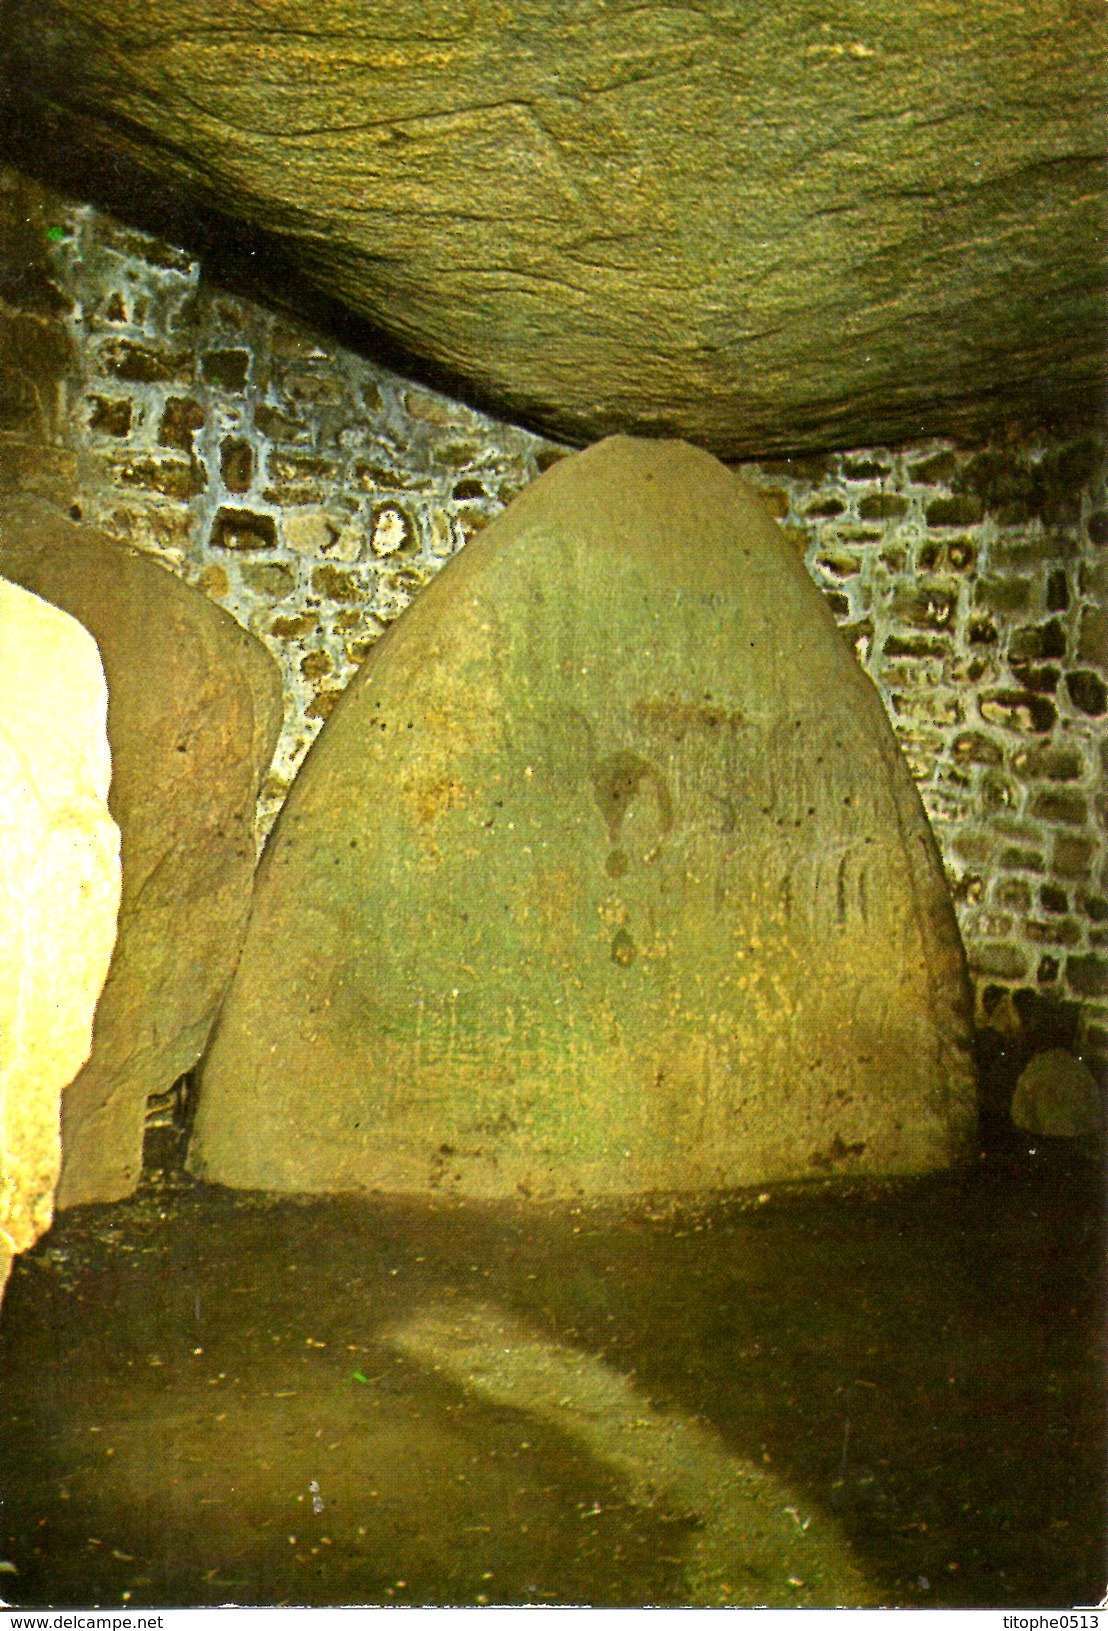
x,y
59,893
605,875
193,713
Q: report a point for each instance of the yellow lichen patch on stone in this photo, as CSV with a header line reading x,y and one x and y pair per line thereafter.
x,y
213,582
430,800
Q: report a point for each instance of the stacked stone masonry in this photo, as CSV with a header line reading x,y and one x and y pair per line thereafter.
x,y
312,493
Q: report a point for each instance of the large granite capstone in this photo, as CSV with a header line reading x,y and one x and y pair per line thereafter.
x,y
606,875
765,227
59,893
194,707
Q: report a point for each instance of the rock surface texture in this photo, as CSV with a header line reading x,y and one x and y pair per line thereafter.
x,y
194,708
1057,1097
59,893
761,227
604,876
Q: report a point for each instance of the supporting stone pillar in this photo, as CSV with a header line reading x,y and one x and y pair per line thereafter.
x,y
59,893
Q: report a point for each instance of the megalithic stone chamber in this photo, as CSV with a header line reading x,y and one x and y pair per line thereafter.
x,y
605,876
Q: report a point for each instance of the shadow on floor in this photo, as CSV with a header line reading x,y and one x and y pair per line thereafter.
x,y
891,1394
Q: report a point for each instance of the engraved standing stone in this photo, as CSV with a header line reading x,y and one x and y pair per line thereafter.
x,y
605,875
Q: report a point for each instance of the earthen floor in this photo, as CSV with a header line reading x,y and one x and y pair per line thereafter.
x,y
891,1395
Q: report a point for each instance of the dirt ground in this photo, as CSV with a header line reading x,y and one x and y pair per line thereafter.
x,y
888,1394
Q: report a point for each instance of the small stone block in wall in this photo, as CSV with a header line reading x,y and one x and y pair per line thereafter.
x,y
1003,962
308,530
226,369
972,747
1021,711
142,364
1046,762
294,628
171,478
279,426
272,579
1037,640
1088,976
1056,932
110,416
1092,645
392,531
333,585
236,461
954,512
1072,856
243,530
1060,807
182,417
1040,678
1003,595
1013,892
1088,693
1014,859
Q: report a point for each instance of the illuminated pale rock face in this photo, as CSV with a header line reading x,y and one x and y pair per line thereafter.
x,y
59,893
605,876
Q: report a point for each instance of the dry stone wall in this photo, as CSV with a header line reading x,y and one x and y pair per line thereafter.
x,y
312,494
